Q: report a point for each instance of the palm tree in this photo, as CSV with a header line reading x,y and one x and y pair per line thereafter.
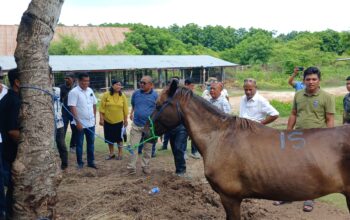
x,y
36,174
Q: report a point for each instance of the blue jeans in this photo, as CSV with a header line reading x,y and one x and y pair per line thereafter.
x,y
90,139
165,140
194,149
7,166
178,143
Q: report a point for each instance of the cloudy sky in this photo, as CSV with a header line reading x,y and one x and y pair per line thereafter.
x,y
282,16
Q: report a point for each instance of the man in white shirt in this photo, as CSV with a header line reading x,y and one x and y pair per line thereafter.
x,y
82,102
255,107
217,99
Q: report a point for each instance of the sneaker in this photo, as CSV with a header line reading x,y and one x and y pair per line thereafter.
x,y
195,155
146,170
154,155
80,166
109,157
93,166
183,175
129,172
72,149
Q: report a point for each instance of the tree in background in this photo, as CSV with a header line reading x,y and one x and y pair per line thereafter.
x,y
36,174
67,45
331,41
254,49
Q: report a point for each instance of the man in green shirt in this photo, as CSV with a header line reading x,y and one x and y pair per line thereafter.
x,y
312,108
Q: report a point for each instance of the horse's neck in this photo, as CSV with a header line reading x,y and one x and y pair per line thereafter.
x,y
202,125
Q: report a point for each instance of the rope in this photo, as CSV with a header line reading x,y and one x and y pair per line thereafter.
x,y
128,148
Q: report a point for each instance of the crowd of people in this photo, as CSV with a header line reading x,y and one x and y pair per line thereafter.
x,y
75,106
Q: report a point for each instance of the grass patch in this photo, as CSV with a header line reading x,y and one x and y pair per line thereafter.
x,y
336,199
284,108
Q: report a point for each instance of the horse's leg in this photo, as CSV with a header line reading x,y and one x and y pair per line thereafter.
x,y
232,207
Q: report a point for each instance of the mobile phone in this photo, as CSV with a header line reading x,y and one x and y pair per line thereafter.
x,y
300,68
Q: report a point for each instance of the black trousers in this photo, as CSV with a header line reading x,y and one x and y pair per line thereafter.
x,y
61,146
66,120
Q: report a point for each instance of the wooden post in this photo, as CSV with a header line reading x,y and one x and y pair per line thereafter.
x,y
160,78
204,73
223,74
135,79
125,81
166,76
106,80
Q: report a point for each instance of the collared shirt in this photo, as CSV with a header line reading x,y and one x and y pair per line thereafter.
x,y
256,108
10,105
84,101
58,108
222,104
311,109
143,104
298,86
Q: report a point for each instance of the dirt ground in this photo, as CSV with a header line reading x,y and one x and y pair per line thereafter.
x,y
108,194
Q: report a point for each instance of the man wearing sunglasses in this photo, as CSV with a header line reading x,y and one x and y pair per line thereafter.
x,y
143,103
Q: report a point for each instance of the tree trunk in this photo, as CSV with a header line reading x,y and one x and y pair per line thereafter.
x,y
36,174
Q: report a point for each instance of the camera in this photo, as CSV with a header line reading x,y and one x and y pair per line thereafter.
x,y
300,68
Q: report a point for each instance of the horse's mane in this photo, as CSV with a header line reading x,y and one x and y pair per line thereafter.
x,y
187,95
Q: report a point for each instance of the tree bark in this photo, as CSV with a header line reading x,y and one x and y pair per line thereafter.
x,y
36,173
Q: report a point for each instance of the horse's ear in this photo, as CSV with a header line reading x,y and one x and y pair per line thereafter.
x,y
172,87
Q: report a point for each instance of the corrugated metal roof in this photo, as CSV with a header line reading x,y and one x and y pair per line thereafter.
x,y
125,62
102,36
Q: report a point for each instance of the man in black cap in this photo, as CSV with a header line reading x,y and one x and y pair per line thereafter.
x,y
67,116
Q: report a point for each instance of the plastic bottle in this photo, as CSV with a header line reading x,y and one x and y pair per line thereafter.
x,y
154,190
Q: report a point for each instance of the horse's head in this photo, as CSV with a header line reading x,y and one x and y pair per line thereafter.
x,y
167,114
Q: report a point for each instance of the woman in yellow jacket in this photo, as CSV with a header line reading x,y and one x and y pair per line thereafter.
x,y
113,116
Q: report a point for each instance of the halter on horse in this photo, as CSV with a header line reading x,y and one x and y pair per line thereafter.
x,y
244,159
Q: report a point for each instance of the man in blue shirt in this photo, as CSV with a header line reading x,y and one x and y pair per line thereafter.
x,y
297,85
143,103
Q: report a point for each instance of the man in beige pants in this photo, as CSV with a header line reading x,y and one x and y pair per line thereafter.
x,y
143,102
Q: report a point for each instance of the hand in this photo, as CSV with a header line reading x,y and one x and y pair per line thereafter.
x,y
79,127
125,123
132,117
102,122
296,70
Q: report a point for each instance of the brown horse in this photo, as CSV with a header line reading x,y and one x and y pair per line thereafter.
x,y
244,159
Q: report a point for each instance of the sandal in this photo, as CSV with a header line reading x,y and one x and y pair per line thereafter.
x,y
277,203
109,157
308,206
